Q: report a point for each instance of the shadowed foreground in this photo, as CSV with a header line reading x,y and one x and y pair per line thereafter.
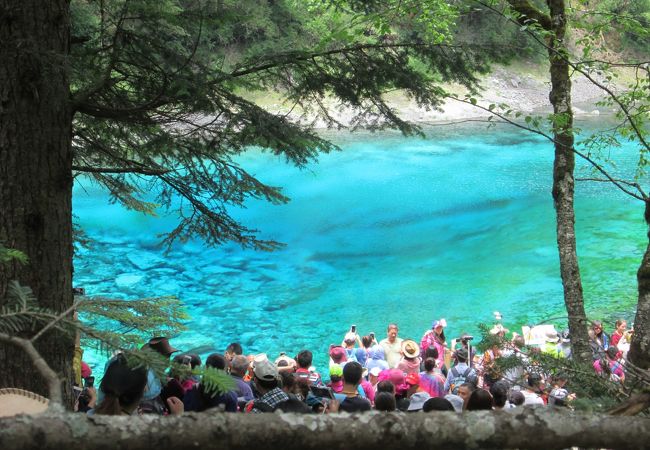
x,y
523,428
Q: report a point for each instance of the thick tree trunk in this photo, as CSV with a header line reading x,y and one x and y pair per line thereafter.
x,y
35,173
563,183
639,354
521,428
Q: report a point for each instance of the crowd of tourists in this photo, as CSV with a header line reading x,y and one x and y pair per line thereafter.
x,y
390,374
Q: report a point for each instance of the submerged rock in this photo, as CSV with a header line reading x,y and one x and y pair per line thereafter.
x,y
128,279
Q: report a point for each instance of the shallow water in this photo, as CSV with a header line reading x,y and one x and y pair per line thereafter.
x,y
456,225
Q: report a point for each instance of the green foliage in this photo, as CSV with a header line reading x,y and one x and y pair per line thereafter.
x,y
20,312
215,380
158,93
112,323
593,392
10,254
499,37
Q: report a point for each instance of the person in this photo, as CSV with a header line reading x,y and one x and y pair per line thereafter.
x,y
516,398
376,358
338,355
432,380
233,349
336,378
437,404
600,337
619,332
294,405
532,392
559,395
152,401
385,401
515,375
392,346
238,368
410,362
285,363
489,367
479,400
349,341
267,380
499,392
123,387
460,373
610,363
181,372
303,371
456,402
199,398
465,391
436,337
373,376
349,397
552,345
361,353
415,394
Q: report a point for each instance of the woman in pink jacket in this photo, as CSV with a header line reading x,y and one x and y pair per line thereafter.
x,y
436,337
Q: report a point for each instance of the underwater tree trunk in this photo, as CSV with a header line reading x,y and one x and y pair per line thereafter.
x,y
36,174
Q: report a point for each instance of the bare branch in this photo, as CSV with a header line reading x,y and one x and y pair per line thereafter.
x,y
52,379
56,320
140,170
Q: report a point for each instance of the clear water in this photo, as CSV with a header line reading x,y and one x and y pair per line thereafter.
x,y
391,229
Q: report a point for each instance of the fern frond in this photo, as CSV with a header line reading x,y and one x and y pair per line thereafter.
x,y
215,381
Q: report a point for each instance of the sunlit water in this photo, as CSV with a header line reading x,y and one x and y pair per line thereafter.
x,y
456,225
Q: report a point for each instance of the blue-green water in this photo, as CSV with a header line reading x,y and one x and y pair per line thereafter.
x,y
457,225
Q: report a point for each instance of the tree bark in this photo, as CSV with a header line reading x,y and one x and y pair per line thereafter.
x,y
519,428
639,354
36,174
563,182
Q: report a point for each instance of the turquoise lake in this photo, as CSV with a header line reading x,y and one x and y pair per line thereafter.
x,y
390,229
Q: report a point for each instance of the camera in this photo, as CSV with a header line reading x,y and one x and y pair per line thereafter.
x,y
465,338
187,360
78,291
372,334
89,382
353,329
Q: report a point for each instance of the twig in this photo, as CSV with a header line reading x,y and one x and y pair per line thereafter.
x,y
55,321
52,379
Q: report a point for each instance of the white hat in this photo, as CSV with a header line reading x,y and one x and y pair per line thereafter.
x,y
552,337
263,369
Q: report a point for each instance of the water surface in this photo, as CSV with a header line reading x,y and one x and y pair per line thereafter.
x,y
390,229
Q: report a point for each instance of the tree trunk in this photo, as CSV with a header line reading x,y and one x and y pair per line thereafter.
x,y
563,183
639,354
519,428
36,173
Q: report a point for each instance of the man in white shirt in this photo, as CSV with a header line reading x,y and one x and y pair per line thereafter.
x,y
531,396
392,346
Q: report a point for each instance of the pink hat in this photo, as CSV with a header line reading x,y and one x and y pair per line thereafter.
x,y
396,377
85,370
338,354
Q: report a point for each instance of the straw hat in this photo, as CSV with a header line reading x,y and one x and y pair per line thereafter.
x,y
552,337
18,401
410,348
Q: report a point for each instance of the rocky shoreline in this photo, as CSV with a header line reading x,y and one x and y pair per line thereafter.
x,y
523,90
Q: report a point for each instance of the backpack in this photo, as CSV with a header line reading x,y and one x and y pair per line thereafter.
x,y
469,376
